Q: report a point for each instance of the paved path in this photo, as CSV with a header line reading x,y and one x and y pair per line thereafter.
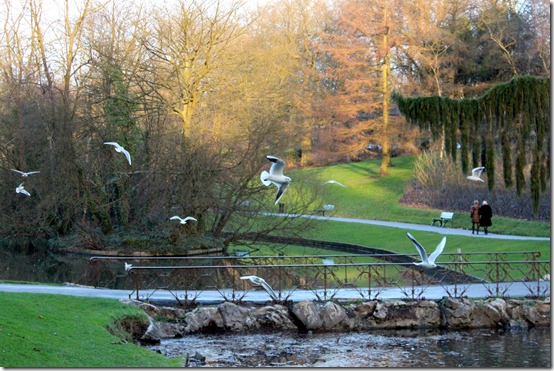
x,y
511,289
417,227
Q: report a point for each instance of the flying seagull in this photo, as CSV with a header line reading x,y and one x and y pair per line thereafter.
x,y
120,149
335,182
255,280
476,174
21,189
25,175
276,176
427,262
181,220
128,267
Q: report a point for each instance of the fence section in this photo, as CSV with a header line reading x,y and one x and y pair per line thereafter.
x,y
324,277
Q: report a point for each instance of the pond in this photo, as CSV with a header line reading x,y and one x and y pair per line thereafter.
x,y
390,348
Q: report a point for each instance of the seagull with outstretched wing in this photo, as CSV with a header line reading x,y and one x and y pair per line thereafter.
x,y
181,220
120,149
21,189
25,174
276,177
335,182
427,262
476,174
255,280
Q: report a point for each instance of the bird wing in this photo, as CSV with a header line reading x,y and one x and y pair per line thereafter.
x,y
33,172
477,171
17,171
438,250
25,192
113,144
126,153
190,218
337,183
175,218
419,248
282,188
277,166
246,277
20,186
268,289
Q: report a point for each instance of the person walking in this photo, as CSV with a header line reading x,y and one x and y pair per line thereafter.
x,y
485,216
474,213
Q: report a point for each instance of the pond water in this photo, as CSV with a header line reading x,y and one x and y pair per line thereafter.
x,y
386,348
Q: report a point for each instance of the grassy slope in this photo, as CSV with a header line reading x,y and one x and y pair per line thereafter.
x,y
369,196
38,330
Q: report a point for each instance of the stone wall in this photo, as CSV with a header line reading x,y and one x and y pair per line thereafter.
x,y
304,316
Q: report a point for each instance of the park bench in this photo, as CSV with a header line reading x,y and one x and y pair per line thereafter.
x,y
443,219
325,208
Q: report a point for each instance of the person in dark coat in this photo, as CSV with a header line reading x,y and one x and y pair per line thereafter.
x,y
485,216
474,213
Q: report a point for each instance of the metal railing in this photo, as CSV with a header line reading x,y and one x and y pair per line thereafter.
x,y
326,277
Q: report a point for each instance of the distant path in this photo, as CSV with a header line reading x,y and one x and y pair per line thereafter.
x,y
417,227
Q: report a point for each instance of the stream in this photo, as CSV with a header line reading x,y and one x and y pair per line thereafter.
x,y
385,348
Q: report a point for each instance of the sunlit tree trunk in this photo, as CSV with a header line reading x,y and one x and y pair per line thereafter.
x,y
385,161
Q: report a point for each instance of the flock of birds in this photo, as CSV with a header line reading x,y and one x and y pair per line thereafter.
x,y
276,177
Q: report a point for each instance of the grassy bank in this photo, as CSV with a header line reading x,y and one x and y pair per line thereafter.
x,y
38,330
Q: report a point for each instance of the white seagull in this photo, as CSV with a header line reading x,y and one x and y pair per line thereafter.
x,y
120,149
25,175
335,182
255,280
21,189
181,220
428,262
276,176
476,174
128,267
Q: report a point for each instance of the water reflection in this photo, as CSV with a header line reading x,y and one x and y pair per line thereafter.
x,y
390,348
45,267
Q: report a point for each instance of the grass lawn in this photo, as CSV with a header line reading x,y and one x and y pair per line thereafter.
x,y
38,330
369,196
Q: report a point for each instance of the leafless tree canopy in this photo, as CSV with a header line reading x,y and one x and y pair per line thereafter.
x,y
199,92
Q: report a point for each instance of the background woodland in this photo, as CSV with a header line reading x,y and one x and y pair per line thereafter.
x,y
199,92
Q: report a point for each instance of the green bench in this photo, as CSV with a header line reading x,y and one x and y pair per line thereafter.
x,y
443,219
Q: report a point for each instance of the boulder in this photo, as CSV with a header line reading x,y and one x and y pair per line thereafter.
x,y
364,309
274,316
203,319
308,313
152,335
531,312
381,311
456,313
489,314
168,330
413,314
236,318
333,317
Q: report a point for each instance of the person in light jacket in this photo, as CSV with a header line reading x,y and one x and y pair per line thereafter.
x,y
474,213
485,216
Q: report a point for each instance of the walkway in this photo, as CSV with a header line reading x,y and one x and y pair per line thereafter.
x,y
512,289
416,227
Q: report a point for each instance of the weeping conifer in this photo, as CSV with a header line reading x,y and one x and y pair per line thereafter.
x,y
522,105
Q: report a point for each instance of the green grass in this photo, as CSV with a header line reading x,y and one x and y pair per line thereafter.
x,y
369,196
38,330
